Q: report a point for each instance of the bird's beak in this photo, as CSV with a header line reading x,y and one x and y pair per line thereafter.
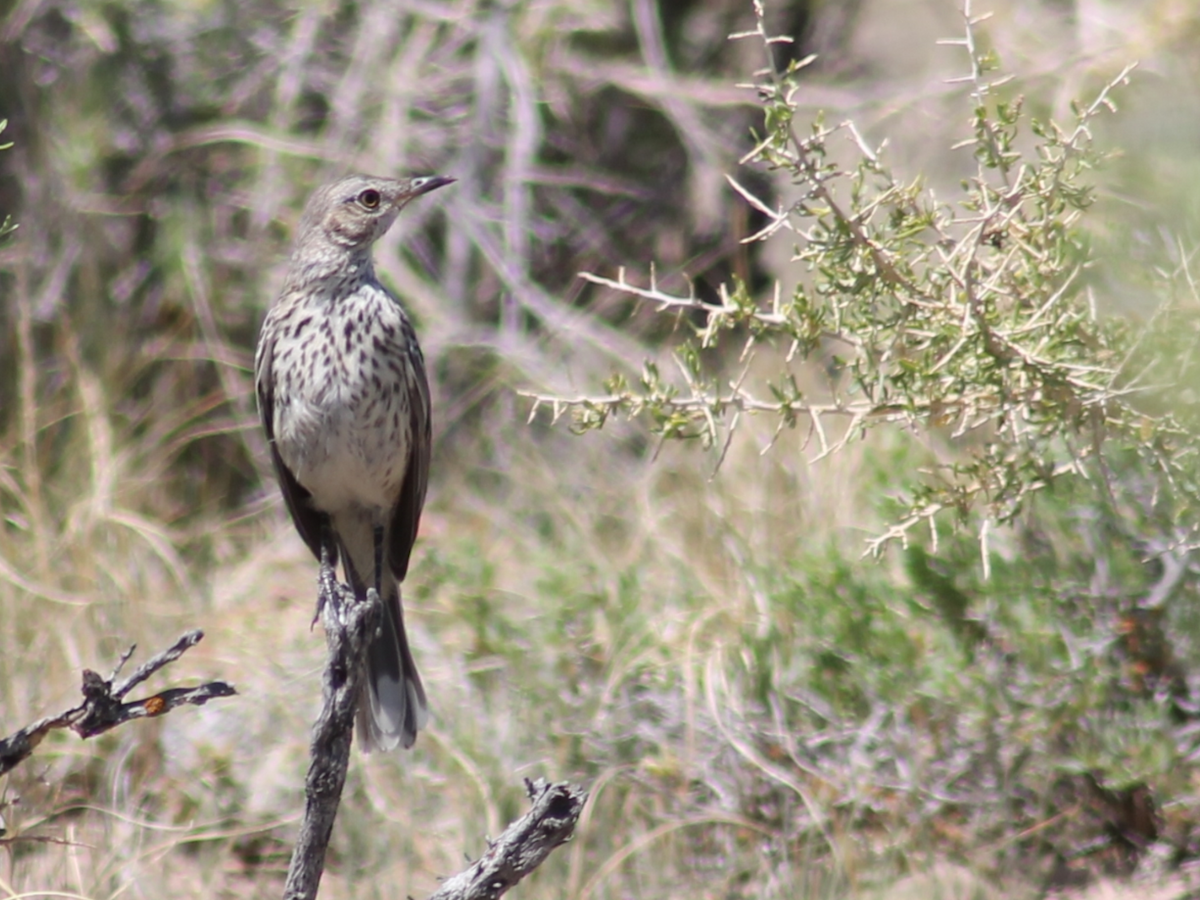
x,y
419,186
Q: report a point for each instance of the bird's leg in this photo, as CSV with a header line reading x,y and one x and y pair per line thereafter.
x,y
378,533
327,580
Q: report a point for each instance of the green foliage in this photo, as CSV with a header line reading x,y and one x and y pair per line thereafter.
x,y
1026,687
858,718
956,710
970,319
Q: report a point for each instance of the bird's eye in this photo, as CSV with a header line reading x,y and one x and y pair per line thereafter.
x,y
369,198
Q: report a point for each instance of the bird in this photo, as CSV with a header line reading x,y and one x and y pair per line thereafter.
x,y
344,399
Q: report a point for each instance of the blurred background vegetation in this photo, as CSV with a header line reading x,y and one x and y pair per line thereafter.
x,y
759,711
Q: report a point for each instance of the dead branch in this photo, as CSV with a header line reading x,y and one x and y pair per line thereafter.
x,y
349,626
522,846
103,708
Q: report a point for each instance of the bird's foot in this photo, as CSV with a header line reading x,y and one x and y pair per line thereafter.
x,y
327,586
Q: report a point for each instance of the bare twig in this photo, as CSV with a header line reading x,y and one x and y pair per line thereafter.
x,y
103,709
349,625
522,846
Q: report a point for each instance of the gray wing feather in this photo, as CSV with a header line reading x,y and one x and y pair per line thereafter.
x,y
406,516
310,522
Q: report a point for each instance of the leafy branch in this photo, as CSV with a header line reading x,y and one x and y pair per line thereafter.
x,y
969,319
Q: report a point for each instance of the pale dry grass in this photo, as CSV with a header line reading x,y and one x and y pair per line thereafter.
x,y
216,789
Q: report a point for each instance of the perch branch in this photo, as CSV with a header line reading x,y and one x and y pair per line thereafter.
x,y
103,708
521,848
349,626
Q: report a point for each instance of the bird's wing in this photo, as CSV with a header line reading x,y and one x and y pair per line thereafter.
x,y
407,514
310,522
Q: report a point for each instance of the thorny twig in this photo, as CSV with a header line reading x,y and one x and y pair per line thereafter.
x,y
959,318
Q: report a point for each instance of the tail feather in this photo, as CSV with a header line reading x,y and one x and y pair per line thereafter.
x,y
392,708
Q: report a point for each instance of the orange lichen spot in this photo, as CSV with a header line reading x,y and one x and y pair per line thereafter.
x,y
155,706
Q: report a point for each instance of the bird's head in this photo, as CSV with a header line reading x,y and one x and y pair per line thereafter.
x,y
356,211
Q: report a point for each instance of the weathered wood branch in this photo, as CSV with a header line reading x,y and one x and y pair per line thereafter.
x,y
103,707
522,846
349,626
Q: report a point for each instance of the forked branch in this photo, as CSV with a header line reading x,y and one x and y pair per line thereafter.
x,y
104,707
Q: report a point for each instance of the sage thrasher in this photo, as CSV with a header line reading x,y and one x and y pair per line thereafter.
x,y
343,397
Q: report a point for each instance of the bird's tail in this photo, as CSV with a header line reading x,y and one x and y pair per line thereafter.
x,y
392,707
